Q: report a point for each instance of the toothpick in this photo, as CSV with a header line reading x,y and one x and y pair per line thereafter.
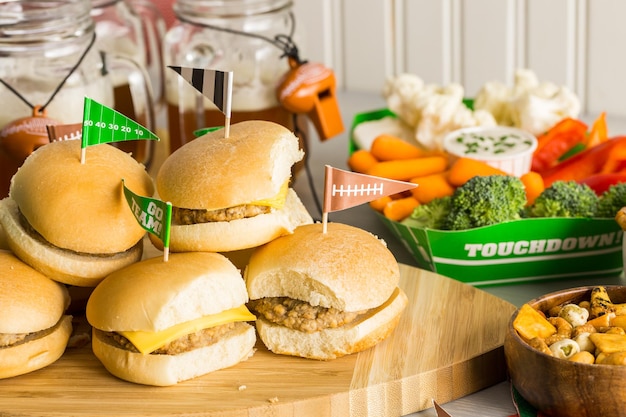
x,y
324,222
83,152
227,127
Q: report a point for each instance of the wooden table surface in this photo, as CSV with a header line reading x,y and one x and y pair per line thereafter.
x,y
448,344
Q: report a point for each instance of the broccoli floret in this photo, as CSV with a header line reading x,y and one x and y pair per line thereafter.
x,y
612,200
486,200
565,199
431,215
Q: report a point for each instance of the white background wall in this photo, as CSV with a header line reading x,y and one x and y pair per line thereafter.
x,y
577,43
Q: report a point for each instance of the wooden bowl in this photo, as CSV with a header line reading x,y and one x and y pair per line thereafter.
x,y
558,387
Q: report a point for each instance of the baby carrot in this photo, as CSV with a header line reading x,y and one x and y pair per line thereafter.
x,y
533,183
405,169
380,203
463,169
400,208
388,148
361,160
430,187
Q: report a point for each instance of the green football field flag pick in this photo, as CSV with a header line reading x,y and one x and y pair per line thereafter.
x,y
102,124
205,130
154,215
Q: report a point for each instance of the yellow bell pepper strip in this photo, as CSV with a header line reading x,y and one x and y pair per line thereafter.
x,y
557,141
584,164
599,131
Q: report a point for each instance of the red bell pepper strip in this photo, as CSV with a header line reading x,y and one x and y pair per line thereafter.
x,y
556,141
584,164
615,161
601,182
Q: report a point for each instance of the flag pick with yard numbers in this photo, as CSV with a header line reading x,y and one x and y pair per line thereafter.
x,y
102,124
345,189
215,85
154,215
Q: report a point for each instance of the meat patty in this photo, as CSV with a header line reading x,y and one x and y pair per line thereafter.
x,y
300,315
183,344
193,216
30,230
8,339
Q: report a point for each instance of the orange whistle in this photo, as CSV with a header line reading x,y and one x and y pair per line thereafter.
x,y
310,88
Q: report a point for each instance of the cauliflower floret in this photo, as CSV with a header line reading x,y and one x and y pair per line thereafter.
x,y
525,80
538,110
445,112
438,109
529,104
484,118
401,94
431,110
494,98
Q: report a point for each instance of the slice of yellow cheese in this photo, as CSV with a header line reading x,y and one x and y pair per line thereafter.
x,y
278,201
148,342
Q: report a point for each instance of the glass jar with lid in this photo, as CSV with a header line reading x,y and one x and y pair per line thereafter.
x,y
48,65
227,35
133,30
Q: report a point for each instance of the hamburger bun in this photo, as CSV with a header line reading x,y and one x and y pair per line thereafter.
x,y
34,331
70,220
153,296
4,245
236,188
346,276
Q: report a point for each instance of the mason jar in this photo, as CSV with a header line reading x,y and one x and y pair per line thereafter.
x,y
227,35
49,63
40,44
133,30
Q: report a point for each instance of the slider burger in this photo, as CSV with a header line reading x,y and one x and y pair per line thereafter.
x,y
324,295
232,193
71,221
34,331
159,323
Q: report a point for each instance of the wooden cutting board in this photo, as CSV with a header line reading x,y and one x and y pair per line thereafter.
x,y
447,345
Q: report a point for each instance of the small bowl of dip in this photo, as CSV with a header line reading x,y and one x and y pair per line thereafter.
x,y
507,148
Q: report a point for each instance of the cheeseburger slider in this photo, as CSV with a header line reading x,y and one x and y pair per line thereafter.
x,y
158,323
34,331
232,193
324,295
69,220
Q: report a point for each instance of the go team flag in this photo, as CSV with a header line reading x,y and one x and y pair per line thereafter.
x,y
102,124
154,215
215,85
345,189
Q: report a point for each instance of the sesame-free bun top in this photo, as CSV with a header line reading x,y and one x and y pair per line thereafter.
x,y
77,206
346,268
153,295
30,301
213,172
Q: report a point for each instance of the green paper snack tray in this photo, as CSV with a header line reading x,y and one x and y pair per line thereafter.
x,y
526,250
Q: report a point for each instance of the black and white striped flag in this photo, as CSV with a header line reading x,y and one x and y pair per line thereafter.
x,y
215,85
